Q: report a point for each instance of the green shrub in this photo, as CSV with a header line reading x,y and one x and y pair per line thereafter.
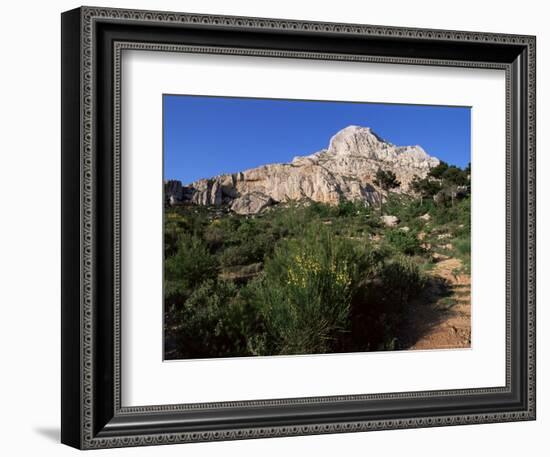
x,y
305,293
439,170
379,307
386,179
407,209
293,221
174,226
462,245
215,236
404,242
401,280
316,209
213,322
458,214
347,208
250,250
191,265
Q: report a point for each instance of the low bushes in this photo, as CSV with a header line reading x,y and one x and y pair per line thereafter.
x,y
298,278
191,265
404,242
213,322
305,293
381,306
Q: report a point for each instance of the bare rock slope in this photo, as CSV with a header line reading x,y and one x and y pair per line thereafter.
x,y
346,170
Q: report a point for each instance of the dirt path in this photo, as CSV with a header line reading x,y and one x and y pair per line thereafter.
x,y
442,319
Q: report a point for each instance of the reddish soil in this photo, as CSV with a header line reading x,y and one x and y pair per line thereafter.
x,y
442,319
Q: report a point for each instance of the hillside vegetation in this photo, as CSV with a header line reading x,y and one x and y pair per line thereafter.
x,y
306,278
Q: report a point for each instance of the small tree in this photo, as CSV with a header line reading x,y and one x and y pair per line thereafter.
x,y
386,179
426,187
443,182
438,171
190,266
456,176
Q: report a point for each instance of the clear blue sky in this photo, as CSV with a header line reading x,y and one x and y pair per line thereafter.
x,y
208,136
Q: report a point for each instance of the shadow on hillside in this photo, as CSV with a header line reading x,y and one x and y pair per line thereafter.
x,y
381,321
433,307
378,322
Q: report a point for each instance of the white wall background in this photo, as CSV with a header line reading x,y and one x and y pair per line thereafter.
x,y
30,229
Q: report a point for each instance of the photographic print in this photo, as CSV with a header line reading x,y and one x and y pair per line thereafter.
x,y
296,227
275,230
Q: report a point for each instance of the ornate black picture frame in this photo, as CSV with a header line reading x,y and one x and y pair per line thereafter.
x,y
92,414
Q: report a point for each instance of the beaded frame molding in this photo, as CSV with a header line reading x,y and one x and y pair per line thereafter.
x,y
92,42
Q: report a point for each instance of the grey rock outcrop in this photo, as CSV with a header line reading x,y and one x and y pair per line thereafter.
x,y
251,203
344,171
173,191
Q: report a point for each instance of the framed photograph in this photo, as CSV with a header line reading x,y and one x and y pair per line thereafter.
x,y
274,227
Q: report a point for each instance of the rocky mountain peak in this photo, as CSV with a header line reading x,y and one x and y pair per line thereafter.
x,y
346,170
355,140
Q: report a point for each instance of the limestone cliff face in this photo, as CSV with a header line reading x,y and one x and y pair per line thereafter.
x,y
344,171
